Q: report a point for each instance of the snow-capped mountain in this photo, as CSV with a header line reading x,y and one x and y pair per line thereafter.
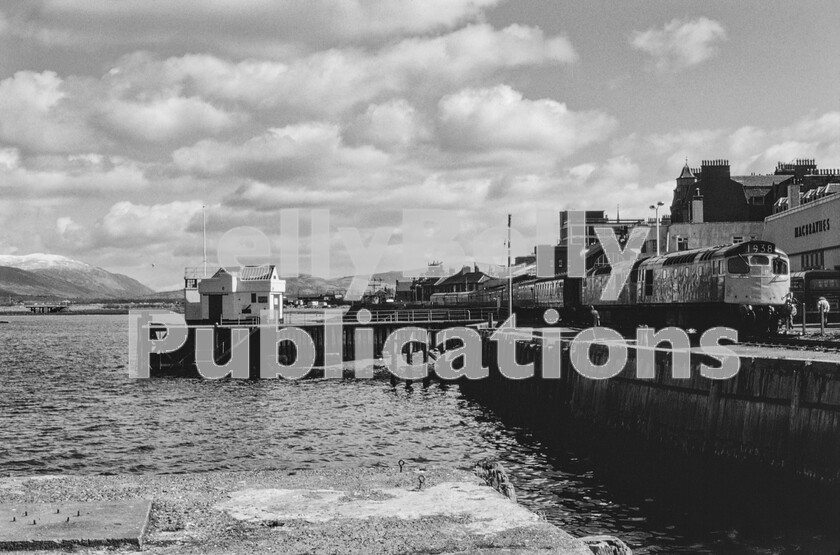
x,y
65,277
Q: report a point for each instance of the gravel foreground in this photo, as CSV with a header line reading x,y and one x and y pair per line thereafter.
x,y
185,519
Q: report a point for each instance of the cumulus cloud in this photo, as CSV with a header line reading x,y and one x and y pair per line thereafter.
x,y
680,43
35,116
71,177
392,125
333,80
165,119
748,148
9,158
291,151
245,26
501,118
130,224
73,236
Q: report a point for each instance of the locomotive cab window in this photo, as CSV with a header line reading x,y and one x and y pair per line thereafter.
x,y
780,266
737,265
759,260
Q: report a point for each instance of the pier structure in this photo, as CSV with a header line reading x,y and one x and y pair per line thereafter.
x,y
235,299
47,308
336,336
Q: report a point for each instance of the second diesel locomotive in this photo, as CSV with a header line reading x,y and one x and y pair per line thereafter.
x,y
742,285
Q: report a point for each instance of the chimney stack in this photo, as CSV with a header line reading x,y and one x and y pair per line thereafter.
x,y
793,195
697,208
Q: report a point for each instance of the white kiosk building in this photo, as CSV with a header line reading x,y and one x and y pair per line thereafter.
x,y
233,296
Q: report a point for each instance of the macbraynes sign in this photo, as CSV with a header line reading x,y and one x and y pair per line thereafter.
x,y
818,226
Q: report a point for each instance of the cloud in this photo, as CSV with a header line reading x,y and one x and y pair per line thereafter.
x,y
499,118
249,26
392,125
77,176
72,236
128,224
280,153
165,119
35,114
681,43
9,159
334,80
749,149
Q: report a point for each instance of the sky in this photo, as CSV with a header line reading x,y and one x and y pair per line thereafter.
x,y
120,121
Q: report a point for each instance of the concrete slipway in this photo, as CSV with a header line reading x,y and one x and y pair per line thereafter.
x,y
436,510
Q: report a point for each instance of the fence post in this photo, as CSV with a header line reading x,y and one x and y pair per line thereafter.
x,y
804,316
822,320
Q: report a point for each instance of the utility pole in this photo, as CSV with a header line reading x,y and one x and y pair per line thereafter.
x,y
510,275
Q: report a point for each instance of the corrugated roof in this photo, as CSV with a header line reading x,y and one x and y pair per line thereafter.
x,y
256,273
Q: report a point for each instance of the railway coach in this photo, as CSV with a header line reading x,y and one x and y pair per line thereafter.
x,y
808,286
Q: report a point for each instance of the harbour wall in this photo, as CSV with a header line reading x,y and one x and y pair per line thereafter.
x,y
775,413
778,413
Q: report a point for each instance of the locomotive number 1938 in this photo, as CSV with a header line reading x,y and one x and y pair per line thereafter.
x,y
763,248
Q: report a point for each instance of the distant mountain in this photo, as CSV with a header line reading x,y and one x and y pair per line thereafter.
x,y
14,281
305,284
59,276
175,295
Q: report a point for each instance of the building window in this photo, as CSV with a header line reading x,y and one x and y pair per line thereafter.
x,y
813,260
263,299
682,243
738,239
253,297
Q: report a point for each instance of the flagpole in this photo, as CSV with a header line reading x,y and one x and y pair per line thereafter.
x,y
510,275
204,233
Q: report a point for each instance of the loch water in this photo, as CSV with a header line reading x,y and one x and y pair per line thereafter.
x,y
67,405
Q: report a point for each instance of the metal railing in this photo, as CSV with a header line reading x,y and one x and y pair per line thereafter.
x,y
397,316
242,321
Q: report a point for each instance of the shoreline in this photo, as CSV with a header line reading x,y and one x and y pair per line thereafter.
x,y
366,510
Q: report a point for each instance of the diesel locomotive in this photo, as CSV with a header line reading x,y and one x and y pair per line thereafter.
x,y
741,285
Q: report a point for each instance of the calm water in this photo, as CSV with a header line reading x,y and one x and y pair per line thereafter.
x,y
67,405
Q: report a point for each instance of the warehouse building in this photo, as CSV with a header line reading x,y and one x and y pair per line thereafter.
x,y
807,228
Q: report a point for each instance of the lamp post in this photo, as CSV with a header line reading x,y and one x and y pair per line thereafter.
x,y
655,208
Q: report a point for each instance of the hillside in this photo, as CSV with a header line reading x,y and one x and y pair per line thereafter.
x,y
59,276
